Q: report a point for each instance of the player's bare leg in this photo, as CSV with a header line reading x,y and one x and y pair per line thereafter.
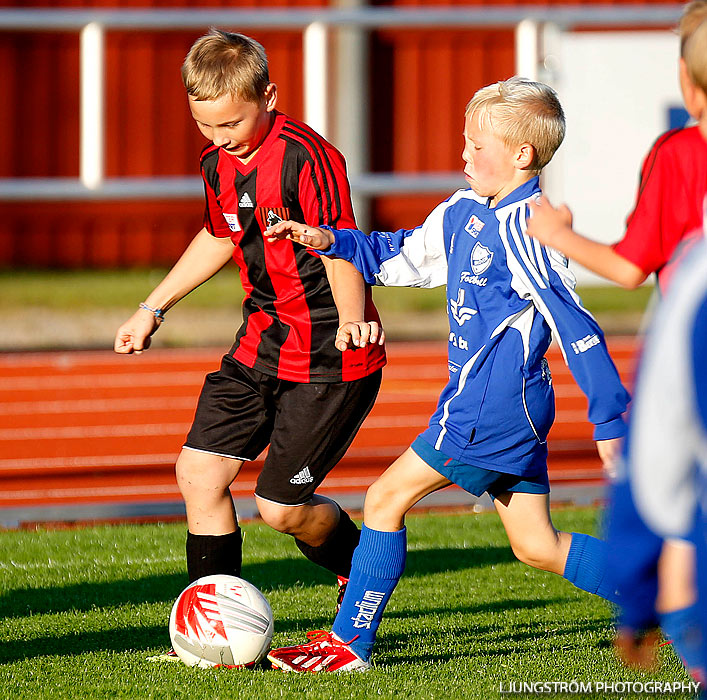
x,y
213,538
677,605
203,480
408,480
579,558
323,532
311,522
676,576
532,536
377,565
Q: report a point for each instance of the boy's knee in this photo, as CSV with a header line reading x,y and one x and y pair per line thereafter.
x,y
384,507
286,519
380,497
532,554
199,472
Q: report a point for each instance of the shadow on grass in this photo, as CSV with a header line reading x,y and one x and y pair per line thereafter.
x,y
114,640
276,574
392,646
279,574
522,636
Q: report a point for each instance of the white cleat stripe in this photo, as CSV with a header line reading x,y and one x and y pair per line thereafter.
x,y
312,661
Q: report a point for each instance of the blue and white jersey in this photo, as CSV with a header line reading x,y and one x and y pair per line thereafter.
x,y
506,295
661,489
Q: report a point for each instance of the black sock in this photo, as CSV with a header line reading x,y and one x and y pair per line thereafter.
x,y
214,554
336,553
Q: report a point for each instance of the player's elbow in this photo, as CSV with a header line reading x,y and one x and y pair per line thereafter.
x,y
630,276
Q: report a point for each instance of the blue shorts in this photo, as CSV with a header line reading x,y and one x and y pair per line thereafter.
x,y
476,480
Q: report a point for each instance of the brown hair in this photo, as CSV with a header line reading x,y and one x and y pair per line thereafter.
x,y
221,63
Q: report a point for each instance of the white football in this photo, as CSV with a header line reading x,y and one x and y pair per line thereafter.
x,y
221,621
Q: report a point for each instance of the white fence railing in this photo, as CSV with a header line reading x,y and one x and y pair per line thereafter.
x,y
530,24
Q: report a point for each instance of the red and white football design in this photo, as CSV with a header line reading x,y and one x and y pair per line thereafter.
x,y
221,621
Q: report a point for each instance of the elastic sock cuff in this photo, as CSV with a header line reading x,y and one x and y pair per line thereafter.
x,y
574,556
381,554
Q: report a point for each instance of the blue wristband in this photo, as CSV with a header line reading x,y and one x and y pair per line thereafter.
x,y
158,313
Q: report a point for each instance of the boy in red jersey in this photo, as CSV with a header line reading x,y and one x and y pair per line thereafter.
x,y
666,220
261,167
669,201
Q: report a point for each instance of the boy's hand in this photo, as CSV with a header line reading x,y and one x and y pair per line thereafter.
x,y
609,453
357,334
546,222
134,335
310,236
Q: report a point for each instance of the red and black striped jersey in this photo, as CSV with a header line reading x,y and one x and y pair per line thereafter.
x,y
289,316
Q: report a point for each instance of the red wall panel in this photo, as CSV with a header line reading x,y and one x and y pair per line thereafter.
x,y
420,82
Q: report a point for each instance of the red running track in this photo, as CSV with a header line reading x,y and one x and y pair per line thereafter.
x,y
94,427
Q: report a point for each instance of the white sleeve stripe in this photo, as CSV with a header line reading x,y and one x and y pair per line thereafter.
x,y
541,259
517,269
526,239
522,256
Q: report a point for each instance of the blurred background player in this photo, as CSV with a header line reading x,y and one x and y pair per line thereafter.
x,y
261,167
661,228
668,206
507,296
662,487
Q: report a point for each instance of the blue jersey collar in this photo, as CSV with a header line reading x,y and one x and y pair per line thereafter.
x,y
527,189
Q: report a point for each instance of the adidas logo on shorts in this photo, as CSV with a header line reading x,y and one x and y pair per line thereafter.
x,y
302,477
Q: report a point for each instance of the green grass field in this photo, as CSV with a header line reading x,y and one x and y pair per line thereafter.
x,y
83,608
90,289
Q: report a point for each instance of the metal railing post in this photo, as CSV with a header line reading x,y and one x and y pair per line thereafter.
x,y
92,94
527,44
316,76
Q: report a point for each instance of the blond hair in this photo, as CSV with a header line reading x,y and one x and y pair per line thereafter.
x,y
695,55
221,63
693,15
522,111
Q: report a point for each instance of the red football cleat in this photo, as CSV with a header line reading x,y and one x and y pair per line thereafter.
x,y
324,653
343,582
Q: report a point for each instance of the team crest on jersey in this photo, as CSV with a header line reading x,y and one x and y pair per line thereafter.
x,y
232,221
474,225
481,258
269,216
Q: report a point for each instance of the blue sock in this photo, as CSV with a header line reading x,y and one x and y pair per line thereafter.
x,y
378,563
586,566
682,628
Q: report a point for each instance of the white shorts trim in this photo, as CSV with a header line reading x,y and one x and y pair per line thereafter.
x,y
216,454
285,505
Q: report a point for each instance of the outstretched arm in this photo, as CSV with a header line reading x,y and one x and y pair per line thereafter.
x,y
203,258
309,236
347,285
552,226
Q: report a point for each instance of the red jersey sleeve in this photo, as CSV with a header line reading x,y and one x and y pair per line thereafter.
x,y
324,191
664,213
216,222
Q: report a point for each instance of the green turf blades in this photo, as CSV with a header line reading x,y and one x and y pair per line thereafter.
x,y
82,609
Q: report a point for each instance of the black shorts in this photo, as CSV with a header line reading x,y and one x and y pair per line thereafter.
x,y
309,427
